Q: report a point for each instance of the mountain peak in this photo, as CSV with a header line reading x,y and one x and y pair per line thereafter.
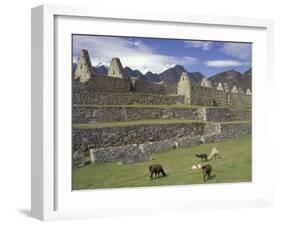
x,y
179,67
233,78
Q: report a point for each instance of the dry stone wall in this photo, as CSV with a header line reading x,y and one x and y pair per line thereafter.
x,y
110,114
227,114
108,90
120,136
170,88
100,84
205,96
109,154
220,98
209,132
124,99
234,130
144,87
240,100
91,114
202,96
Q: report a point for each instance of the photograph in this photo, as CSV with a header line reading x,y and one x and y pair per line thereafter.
x,y
151,111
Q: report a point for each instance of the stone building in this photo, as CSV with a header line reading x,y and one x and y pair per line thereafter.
x,y
248,92
184,87
116,68
220,87
234,89
84,69
206,83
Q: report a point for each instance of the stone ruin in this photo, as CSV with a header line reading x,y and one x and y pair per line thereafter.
x,y
248,92
184,87
220,87
135,143
84,70
234,90
116,69
206,83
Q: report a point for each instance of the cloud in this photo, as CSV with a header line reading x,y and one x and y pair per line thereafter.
x,y
132,53
205,45
238,50
225,63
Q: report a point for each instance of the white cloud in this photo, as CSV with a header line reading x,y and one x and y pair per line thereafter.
x,y
133,53
225,63
205,45
238,50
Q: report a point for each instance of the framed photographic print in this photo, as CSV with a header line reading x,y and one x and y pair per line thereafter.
x,y
135,112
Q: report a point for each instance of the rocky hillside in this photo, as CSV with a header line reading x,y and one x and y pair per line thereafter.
x,y
246,79
233,77
173,74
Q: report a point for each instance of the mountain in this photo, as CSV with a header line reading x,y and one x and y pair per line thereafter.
x,y
100,70
232,78
136,74
196,77
172,75
152,77
246,79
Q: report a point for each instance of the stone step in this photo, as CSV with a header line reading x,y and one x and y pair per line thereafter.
x,y
113,113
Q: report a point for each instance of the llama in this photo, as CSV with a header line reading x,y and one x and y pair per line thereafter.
x,y
206,170
202,157
156,169
214,154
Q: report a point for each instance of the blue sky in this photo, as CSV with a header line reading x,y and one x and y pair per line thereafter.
x,y
157,55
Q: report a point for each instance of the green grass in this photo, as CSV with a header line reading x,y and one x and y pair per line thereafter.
x,y
144,122
234,166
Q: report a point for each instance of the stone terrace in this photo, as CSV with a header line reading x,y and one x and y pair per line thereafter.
x,y
104,133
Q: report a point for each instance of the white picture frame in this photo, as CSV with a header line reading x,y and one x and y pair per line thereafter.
x,y
53,199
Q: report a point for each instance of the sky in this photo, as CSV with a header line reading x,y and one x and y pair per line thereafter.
x,y
157,55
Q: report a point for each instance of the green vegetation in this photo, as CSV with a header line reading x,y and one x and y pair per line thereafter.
x,y
144,122
234,166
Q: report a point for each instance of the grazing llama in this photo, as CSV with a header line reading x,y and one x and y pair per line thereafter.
x,y
156,169
214,154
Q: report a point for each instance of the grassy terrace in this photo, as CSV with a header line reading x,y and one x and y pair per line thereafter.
x,y
150,106
144,122
160,106
234,166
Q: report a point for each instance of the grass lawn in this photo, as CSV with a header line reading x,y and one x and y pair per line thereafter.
x,y
234,166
